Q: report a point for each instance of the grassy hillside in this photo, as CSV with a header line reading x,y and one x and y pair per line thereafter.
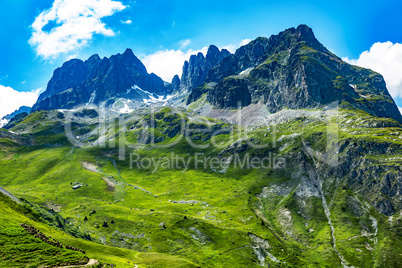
x,y
200,217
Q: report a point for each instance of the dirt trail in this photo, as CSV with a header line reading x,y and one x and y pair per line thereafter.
x,y
90,263
111,185
90,166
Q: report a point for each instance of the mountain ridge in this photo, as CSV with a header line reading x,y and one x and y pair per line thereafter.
x,y
293,70
290,70
6,119
95,80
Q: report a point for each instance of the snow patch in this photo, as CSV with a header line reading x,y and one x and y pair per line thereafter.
x,y
91,99
245,72
125,109
3,122
152,97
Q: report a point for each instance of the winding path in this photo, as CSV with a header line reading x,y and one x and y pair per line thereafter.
x,y
90,263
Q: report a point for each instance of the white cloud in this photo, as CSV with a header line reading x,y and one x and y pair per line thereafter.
x,y
168,63
386,59
232,48
11,99
184,43
126,21
400,109
245,42
71,57
76,22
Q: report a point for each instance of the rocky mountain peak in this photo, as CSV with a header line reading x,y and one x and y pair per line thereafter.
x,y
306,34
128,52
129,60
96,80
92,64
212,51
93,59
70,75
176,82
195,70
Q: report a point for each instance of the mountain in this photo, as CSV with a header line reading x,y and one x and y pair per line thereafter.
x,y
23,109
97,80
293,70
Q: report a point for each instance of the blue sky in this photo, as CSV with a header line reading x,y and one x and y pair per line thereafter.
x,y
38,36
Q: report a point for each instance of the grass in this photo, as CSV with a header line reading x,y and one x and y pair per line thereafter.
x,y
19,248
197,217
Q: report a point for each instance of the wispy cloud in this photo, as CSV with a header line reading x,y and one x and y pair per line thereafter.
x,y
126,21
4,77
245,42
386,59
184,43
11,99
70,57
75,21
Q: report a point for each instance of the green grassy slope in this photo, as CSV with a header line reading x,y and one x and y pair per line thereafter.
x,y
167,217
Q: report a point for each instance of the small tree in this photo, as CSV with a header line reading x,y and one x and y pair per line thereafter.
x,y
105,224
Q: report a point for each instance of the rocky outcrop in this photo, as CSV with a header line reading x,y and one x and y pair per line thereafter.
x,y
378,181
176,83
8,120
96,80
15,120
195,70
174,86
230,93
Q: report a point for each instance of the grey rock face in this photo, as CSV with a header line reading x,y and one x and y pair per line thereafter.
x,y
176,83
230,93
195,70
76,81
70,75
380,184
